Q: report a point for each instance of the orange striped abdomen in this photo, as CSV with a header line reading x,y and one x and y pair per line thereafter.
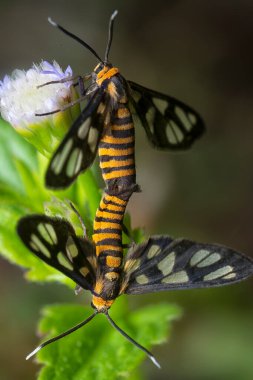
x,y
116,151
107,234
107,237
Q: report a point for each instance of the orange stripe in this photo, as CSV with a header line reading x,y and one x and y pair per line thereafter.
x,y
124,127
115,163
98,225
109,207
122,112
115,152
113,262
106,74
99,286
102,248
117,140
118,173
97,237
108,215
115,199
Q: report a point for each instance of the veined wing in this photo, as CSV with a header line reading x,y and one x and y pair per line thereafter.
x,y
54,241
162,263
169,123
79,147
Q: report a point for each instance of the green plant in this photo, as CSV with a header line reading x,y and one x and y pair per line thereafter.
x,y
95,351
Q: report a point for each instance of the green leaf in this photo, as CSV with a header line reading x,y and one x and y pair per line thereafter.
x,y
97,351
22,192
12,147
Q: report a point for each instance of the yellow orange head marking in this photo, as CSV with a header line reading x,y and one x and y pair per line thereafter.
x,y
106,73
100,304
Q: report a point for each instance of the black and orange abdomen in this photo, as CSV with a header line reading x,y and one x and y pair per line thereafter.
x,y
116,151
107,236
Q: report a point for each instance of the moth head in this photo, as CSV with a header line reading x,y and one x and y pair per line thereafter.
x,y
101,68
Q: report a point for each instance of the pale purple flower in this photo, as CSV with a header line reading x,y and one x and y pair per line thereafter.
x,y
21,99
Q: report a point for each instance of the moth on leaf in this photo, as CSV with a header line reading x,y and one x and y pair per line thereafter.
x,y
159,263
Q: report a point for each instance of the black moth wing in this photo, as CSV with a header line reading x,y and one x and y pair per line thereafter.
x,y
54,241
169,123
78,149
162,263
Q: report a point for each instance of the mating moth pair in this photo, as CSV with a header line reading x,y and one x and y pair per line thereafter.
x,y
106,126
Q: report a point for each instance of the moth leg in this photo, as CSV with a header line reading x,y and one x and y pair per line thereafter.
x,y
67,79
81,85
128,234
63,108
128,246
80,219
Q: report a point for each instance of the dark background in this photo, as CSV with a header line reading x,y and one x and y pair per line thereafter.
x,y
202,53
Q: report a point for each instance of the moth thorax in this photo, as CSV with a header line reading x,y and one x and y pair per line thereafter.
x,y
107,72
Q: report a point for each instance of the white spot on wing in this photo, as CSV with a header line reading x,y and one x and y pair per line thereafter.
x,y
198,256
47,232
63,261
41,247
51,232
192,117
84,128
55,161
142,279
93,139
166,265
79,162
160,104
172,132
150,116
184,119
229,276
71,248
177,131
218,273
74,162
213,258
154,250
34,246
60,159
176,278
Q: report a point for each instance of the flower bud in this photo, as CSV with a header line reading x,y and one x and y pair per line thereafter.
x,y
21,99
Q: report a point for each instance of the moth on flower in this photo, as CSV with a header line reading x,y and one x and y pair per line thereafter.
x,y
20,100
106,124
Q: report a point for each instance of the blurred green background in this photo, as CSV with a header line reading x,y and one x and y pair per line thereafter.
x,y
201,53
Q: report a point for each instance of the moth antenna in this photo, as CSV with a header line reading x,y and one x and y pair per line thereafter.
x,y
110,35
61,335
151,356
53,23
